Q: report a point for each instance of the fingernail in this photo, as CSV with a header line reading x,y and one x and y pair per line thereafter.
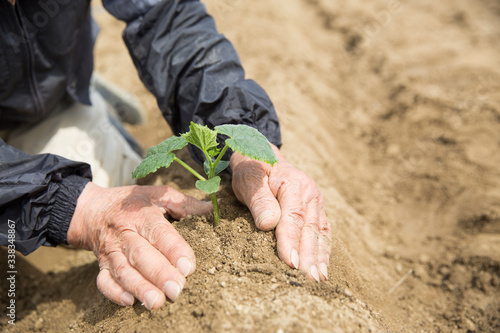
x,y
323,268
151,297
265,215
294,258
184,266
314,272
172,289
127,299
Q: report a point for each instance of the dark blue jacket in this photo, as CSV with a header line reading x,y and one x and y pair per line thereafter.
x,y
46,53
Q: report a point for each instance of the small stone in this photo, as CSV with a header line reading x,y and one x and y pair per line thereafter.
x,y
211,271
347,292
273,280
39,324
423,258
392,149
469,325
223,284
420,272
444,270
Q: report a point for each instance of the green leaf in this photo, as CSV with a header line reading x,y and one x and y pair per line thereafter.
x,y
221,166
171,144
152,163
248,141
209,186
159,156
213,152
202,137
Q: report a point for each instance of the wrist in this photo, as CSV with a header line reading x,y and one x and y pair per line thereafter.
x,y
77,226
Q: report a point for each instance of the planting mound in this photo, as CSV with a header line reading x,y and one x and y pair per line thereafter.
x,y
393,107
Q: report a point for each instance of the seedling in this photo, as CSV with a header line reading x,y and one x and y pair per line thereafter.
x,y
241,138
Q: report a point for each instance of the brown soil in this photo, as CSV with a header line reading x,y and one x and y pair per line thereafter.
x,y
393,107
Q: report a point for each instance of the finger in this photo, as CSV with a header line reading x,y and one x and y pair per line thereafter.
x,y
289,229
133,282
325,246
163,236
153,265
251,186
309,241
112,290
177,204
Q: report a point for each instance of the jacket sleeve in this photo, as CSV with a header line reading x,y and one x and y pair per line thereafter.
x,y
38,196
194,72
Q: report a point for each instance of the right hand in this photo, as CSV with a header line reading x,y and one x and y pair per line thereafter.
x,y
140,254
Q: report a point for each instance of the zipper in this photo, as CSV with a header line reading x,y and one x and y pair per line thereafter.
x,y
31,74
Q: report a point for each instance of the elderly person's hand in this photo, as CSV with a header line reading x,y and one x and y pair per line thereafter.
x,y
285,198
140,253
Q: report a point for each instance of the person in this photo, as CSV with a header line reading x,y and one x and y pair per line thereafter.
x,y
48,109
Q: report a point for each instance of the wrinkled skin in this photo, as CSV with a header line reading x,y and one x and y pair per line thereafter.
x,y
141,256
285,198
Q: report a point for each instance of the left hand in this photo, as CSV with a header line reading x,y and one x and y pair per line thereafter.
x,y
285,198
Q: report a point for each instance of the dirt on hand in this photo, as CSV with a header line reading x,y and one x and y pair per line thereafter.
x,y
393,107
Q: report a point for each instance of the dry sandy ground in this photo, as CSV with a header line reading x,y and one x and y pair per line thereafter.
x,y
393,107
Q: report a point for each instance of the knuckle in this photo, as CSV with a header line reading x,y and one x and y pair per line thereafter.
x,y
288,237
168,241
155,274
161,235
325,227
292,185
312,227
137,253
154,231
103,261
260,199
157,234
121,270
313,223
296,218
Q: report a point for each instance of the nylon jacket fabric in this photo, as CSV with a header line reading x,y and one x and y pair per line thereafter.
x,y
34,192
193,71
45,53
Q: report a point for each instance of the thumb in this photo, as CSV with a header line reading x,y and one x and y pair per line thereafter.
x,y
251,187
177,204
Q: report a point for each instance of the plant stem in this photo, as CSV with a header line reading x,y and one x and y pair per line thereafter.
x,y
212,170
200,177
216,209
215,204
209,161
196,174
